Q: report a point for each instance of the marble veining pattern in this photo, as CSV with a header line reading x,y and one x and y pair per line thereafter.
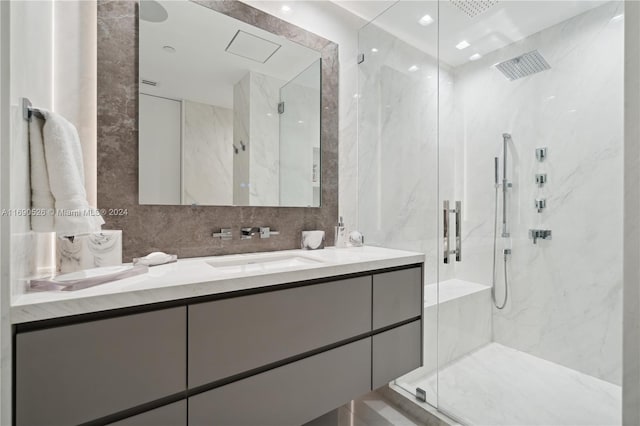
x,y
187,230
207,154
501,386
89,251
566,301
194,277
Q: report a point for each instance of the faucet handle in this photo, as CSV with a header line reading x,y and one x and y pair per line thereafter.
x,y
224,234
266,232
247,233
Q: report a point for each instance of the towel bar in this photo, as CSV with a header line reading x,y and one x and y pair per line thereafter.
x,y
28,110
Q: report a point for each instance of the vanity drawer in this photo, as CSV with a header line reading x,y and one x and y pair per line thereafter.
x,y
169,415
396,352
234,335
289,395
397,296
76,373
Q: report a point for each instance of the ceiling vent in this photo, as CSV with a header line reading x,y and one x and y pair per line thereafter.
x,y
149,82
252,47
473,8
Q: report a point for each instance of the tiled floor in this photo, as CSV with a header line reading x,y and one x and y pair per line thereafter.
x,y
370,410
500,386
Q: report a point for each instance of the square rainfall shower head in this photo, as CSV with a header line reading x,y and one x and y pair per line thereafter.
x,y
523,65
473,8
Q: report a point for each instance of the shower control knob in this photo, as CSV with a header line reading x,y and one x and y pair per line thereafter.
x,y
541,204
541,179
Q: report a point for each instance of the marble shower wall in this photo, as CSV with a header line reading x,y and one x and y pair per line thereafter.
x,y
398,146
207,154
300,139
565,294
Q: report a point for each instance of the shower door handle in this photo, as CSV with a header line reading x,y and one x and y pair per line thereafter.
x,y
446,243
458,231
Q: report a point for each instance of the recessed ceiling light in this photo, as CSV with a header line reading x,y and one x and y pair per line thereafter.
x,y
462,45
300,122
374,50
169,49
475,57
425,20
413,68
285,8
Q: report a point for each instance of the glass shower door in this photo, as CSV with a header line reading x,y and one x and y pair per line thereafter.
x,y
398,146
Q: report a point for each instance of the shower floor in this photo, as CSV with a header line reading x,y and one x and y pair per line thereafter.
x,y
497,385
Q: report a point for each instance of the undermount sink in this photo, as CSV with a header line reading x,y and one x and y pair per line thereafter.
x,y
262,262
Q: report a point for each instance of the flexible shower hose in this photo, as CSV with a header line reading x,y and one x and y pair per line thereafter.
x,y
506,280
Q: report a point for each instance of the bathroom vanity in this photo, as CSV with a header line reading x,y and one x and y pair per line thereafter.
x,y
269,339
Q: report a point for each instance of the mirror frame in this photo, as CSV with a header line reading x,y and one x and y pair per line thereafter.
x,y
186,230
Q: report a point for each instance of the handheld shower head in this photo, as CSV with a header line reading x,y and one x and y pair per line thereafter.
x,y
506,137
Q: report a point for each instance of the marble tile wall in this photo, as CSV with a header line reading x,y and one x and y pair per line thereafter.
x,y
299,136
241,134
566,301
264,140
207,154
565,294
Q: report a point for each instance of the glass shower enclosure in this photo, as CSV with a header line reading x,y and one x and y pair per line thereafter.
x,y
490,139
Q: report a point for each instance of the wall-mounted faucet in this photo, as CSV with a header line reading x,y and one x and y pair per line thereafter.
x,y
536,234
224,234
264,231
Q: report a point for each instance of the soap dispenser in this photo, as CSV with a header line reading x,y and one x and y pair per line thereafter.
x,y
341,234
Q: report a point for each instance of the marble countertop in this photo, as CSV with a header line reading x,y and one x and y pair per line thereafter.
x,y
193,277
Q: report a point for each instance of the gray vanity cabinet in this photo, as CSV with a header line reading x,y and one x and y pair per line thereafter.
x,y
174,414
229,336
273,356
75,373
396,352
397,296
289,395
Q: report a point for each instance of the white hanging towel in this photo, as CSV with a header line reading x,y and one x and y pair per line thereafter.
x,y
42,201
65,169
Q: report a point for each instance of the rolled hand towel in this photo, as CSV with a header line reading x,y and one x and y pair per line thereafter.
x,y
41,196
65,168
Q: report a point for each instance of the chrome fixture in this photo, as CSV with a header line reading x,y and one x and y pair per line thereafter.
x,y
446,243
523,65
541,154
224,234
541,204
539,234
506,138
541,179
29,111
263,231
235,149
266,232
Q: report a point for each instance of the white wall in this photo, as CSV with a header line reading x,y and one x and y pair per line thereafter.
x,y
336,24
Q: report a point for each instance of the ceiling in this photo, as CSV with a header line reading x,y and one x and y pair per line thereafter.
x,y
200,69
503,23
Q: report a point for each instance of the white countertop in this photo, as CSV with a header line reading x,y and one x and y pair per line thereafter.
x,y
193,277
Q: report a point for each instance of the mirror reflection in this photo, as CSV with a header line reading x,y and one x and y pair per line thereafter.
x,y
229,114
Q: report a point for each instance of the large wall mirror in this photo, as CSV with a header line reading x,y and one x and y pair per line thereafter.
x,y
229,114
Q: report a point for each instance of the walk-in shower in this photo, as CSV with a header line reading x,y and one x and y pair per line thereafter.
x,y
526,96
